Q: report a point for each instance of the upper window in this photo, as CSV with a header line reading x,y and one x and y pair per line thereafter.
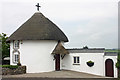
x,y
16,44
76,60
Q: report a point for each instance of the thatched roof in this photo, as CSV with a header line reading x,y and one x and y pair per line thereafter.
x,y
59,49
38,27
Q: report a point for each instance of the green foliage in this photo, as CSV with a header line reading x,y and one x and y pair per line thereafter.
x,y
0,49
10,66
118,62
5,47
118,65
90,61
85,47
111,50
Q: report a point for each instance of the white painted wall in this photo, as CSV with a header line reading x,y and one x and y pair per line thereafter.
x,y
11,51
114,58
36,55
97,69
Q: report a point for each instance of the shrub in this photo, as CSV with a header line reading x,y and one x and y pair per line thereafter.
x,y
10,66
90,62
118,65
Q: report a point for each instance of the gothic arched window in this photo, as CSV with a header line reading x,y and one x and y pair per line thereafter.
x,y
15,57
16,44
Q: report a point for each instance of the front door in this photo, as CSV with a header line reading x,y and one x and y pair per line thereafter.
x,y
109,68
57,62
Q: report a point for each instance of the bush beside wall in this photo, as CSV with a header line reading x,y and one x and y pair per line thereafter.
x,y
10,66
119,73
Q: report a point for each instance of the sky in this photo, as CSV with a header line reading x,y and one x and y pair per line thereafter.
x,y
92,23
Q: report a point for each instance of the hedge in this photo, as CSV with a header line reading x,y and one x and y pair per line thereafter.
x,y
9,66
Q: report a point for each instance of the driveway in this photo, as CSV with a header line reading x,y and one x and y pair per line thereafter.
x,y
59,79
55,74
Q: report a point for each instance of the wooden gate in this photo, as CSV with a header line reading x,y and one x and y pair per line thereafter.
x,y
109,69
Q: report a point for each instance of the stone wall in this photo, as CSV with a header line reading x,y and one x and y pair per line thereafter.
x,y
19,70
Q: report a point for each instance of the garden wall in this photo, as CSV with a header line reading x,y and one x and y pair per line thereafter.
x,y
19,70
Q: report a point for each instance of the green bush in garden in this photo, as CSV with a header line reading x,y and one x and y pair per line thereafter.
x,y
10,66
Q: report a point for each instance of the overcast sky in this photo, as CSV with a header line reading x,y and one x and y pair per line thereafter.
x,y
85,22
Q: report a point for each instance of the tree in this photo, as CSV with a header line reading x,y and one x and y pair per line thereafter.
x,y
85,47
4,46
0,50
118,63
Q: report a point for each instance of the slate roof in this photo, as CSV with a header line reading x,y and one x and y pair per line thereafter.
x,y
90,50
111,53
38,27
59,49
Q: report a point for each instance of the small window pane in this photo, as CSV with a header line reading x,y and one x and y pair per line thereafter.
x,y
74,59
77,59
15,58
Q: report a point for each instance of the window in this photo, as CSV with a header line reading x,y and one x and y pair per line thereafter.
x,y
16,44
15,57
76,60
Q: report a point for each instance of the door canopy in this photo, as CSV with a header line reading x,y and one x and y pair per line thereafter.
x,y
59,49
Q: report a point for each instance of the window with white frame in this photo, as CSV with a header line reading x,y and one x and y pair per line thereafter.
x,y
15,57
76,60
16,44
